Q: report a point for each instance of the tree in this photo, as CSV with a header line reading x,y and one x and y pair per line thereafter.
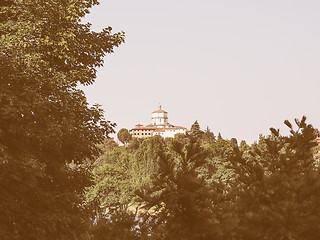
x,y
195,130
124,136
113,184
144,163
119,225
121,172
244,146
134,144
182,138
184,203
277,191
107,145
217,167
47,128
217,189
208,136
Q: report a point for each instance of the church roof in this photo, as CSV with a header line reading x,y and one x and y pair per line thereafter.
x,y
143,128
159,110
160,125
169,128
179,127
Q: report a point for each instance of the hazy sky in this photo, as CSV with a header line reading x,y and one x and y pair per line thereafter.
x,y
237,66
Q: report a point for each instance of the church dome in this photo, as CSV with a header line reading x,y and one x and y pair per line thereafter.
x,y
159,117
159,110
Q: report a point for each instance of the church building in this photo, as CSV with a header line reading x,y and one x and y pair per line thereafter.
x,y
159,126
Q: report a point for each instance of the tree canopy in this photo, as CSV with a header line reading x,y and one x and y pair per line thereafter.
x,y
207,188
195,130
278,187
124,136
192,187
47,128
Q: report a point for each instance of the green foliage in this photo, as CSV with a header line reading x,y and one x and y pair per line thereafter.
x,y
117,225
134,144
195,130
244,146
107,145
218,167
181,197
208,136
214,189
182,138
121,172
124,136
145,159
278,187
47,129
112,184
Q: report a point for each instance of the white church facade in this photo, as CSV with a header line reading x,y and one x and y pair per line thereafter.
x,y
159,126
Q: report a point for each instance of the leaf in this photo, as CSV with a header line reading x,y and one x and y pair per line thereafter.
x,y
275,132
286,122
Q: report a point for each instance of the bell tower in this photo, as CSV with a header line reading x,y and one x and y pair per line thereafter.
x,y
159,117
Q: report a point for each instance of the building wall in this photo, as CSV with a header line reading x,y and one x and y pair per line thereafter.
x,y
141,133
159,126
159,118
165,133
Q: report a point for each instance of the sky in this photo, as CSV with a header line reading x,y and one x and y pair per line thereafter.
x,y
237,66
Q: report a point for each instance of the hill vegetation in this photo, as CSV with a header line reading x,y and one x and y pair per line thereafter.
x,y
200,187
61,177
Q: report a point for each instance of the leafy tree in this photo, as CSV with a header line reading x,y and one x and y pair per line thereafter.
x,y
217,167
208,136
195,130
216,189
277,192
182,199
244,146
144,162
182,138
119,224
107,145
112,180
134,144
121,172
47,129
234,141
124,136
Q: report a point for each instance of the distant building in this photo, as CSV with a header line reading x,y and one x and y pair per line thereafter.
x,y
140,131
169,131
159,126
